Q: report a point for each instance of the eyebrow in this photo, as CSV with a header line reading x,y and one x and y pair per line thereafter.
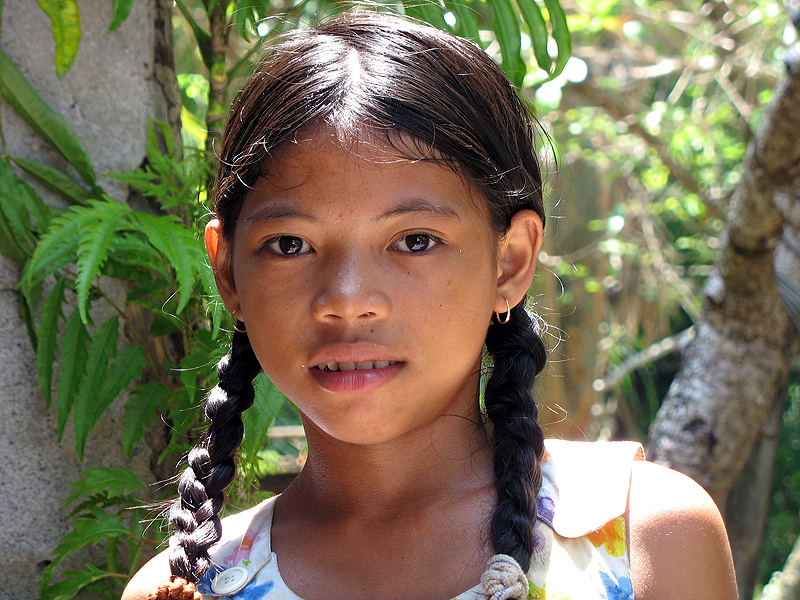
x,y
278,211
413,205
418,205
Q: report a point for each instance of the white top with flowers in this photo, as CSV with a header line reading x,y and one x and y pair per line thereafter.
x,y
581,549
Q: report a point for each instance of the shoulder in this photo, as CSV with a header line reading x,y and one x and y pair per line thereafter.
x,y
234,527
679,547
148,578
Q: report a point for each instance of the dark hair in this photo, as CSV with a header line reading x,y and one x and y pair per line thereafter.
x,y
373,77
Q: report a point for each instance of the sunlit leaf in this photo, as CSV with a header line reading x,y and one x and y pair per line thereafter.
x,y
428,11
561,34
259,417
538,30
506,27
466,21
65,18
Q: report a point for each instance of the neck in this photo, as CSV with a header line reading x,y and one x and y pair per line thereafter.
x,y
452,456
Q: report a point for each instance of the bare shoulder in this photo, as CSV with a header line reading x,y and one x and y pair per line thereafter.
x,y
679,547
148,578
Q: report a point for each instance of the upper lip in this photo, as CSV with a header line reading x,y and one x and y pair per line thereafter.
x,y
351,352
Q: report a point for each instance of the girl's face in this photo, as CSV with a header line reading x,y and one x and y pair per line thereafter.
x,y
366,283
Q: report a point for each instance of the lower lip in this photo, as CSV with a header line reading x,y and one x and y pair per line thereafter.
x,y
358,380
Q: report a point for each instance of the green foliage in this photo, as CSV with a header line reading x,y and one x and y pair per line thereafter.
x,y
122,8
54,180
100,512
24,215
51,126
783,524
46,347
505,25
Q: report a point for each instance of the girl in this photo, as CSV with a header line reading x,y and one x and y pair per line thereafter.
x,y
378,218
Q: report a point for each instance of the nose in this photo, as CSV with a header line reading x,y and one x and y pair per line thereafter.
x,y
350,290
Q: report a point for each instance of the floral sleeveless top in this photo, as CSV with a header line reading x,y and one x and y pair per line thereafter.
x,y
581,546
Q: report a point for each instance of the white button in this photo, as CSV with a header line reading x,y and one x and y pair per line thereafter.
x,y
229,581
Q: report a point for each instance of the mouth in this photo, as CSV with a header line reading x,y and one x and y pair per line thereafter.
x,y
367,365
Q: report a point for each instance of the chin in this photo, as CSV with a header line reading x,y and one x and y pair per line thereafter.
x,y
357,432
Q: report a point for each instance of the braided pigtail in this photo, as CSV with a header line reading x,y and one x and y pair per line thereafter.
x,y
518,355
195,514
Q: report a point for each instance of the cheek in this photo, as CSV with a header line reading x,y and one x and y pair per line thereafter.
x,y
457,300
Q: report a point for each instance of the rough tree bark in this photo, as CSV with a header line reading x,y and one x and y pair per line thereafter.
x,y
737,366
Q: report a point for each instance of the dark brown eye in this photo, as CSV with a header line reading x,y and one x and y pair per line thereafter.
x,y
288,245
416,242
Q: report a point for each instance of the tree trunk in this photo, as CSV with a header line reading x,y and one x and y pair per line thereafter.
x,y
748,504
737,366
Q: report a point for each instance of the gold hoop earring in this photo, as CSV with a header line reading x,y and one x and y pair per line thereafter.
x,y
236,321
505,319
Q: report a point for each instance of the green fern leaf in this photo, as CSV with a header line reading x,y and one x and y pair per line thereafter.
x,y
74,582
89,531
93,247
73,359
133,254
126,366
141,410
103,346
112,481
58,245
179,246
46,336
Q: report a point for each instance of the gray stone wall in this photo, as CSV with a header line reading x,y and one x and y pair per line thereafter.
x,y
115,85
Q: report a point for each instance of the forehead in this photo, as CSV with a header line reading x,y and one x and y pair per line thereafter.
x,y
323,167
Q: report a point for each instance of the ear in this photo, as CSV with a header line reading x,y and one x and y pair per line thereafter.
x,y
518,252
219,254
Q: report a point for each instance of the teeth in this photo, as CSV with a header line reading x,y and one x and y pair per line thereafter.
x,y
352,366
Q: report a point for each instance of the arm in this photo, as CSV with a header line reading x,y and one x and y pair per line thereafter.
x,y
679,547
